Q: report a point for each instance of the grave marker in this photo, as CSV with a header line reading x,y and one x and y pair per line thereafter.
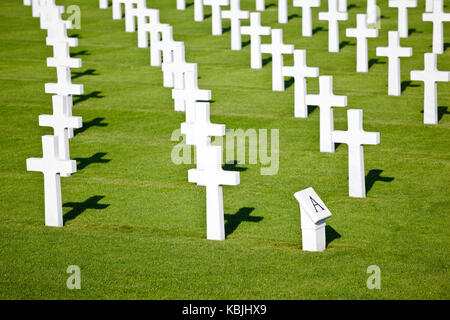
x,y
333,16
313,214
306,14
282,11
430,75
355,137
216,14
255,31
326,100
402,6
438,17
52,166
361,33
277,48
299,71
187,96
394,51
235,14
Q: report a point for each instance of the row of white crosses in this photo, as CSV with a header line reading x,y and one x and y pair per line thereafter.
x,y
56,162
182,77
326,100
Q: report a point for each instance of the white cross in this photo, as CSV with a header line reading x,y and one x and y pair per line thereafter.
x,y
326,100
333,16
282,11
430,75
198,10
50,14
306,14
260,5
428,5
342,5
372,15
39,5
177,67
117,7
27,2
199,131
394,51
103,4
61,121
154,27
61,57
255,31
438,17
235,14
57,32
165,45
190,93
213,177
300,71
277,48
361,33
64,85
403,6
181,4
139,12
355,138
216,14
52,166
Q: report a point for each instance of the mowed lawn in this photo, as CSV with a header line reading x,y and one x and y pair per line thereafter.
x,y
137,228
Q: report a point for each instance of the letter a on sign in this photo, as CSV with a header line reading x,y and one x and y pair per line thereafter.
x,y
315,204
312,204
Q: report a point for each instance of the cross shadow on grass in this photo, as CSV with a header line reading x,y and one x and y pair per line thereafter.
x,y
288,82
234,220
374,176
292,16
331,234
270,5
80,207
343,44
96,158
88,72
80,53
266,61
311,109
97,122
84,97
245,43
374,61
317,29
413,30
232,166
352,6
405,84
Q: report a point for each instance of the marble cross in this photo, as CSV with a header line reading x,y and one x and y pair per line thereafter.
x,y
216,14
139,12
27,2
277,48
403,6
164,46
181,4
300,71
187,96
282,11
361,33
61,121
355,137
438,17
154,27
117,7
430,75
372,14
306,14
57,32
176,68
326,100
260,5
235,14
428,5
394,51
61,57
255,31
198,10
103,4
52,166
64,85
333,16
342,5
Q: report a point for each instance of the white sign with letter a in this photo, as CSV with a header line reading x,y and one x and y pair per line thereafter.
x,y
313,213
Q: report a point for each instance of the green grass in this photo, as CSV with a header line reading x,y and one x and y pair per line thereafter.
x,y
149,241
